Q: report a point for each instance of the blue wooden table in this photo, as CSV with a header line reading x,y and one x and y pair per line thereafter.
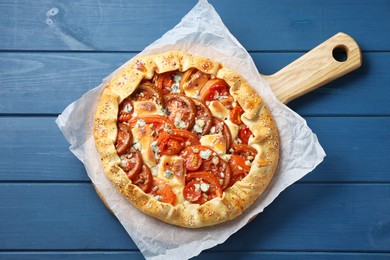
x,y
51,52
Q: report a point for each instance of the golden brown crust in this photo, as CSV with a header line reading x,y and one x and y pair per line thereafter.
x,y
257,117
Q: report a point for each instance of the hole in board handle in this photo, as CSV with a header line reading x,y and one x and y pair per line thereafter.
x,y
340,53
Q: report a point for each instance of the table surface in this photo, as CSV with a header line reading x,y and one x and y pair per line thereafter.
x,y
51,52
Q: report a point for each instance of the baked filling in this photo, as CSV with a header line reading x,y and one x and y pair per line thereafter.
x,y
185,139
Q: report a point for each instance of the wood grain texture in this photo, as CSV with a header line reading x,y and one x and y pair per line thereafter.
x,y
57,79
118,255
52,51
304,217
45,155
125,26
315,68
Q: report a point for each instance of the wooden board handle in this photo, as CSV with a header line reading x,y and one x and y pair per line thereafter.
x,y
316,68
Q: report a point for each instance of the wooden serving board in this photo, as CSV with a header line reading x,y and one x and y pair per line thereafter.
x,y
328,61
316,68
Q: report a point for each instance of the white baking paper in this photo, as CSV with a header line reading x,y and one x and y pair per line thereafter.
x,y
201,32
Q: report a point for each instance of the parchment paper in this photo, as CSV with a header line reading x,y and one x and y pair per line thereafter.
x,y
201,32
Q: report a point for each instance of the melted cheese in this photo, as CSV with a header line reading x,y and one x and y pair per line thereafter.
x,y
143,142
172,170
216,141
218,110
233,128
145,108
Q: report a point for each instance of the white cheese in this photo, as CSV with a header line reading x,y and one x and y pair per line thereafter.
x,y
155,147
198,129
205,154
168,174
175,88
179,123
177,77
158,197
140,122
123,163
204,187
197,187
215,160
128,108
137,146
199,124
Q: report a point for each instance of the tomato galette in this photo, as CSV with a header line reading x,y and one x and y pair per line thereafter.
x,y
185,139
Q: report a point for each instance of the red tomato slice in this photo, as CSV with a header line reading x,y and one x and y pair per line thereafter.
x,y
181,110
146,91
239,169
220,127
124,139
192,160
163,192
158,123
203,118
191,193
165,81
131,162
211,190
235,115
214,89
244,134
171,143
244,151
211,162
126,109
144,179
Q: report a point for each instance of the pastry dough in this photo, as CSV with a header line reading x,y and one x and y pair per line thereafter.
x,y
224,144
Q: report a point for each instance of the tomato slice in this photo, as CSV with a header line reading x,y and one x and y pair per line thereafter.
x,y
144,179
192,160
124,139
244,151
214,89
192,192
131,162
180,110
146,91
239,169
203,182
126,109
235,115
203,118
244,134
211,162
158,123
174,141
162,191
220,127
165,81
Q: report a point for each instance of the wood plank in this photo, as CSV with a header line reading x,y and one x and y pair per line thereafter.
x,y
34,149
117,26
356,147
306,217
203,256
57,216
57,79
356,150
